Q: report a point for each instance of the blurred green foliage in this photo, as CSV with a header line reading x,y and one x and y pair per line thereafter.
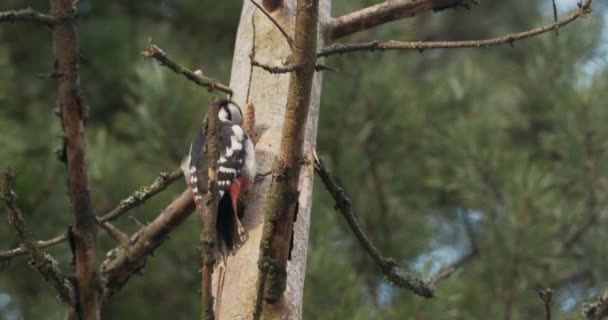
x,y
419,141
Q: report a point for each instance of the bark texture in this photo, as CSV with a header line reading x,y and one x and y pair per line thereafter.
x,y
269,94
84,236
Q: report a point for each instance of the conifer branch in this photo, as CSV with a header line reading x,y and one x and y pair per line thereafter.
x,y
43,262
156,53
395,273
27,15
591,178
341,48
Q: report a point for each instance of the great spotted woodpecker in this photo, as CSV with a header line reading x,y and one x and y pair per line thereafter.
x,y
236,172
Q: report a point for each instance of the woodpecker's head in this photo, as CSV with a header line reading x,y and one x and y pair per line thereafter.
x,y
230,112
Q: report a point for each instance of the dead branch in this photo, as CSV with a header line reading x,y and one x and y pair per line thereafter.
x,y
546,295
27,15
21,250
209,231
271,68
382,13
126,259
282,202
395,273
143,194
114,232
287,37
43,262
341,48
598,309
155,52
66,50
136,199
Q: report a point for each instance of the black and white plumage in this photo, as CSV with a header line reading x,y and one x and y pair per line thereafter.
x,y
236,170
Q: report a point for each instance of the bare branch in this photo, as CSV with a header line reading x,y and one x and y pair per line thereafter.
x,y
136,199
66,50
395,273
209,231
598,309
282,202
285,69
114,232
155,52
382,13
546,295
273,69
44,263
287,37
27,15
334,49
21,250
143,194
126,259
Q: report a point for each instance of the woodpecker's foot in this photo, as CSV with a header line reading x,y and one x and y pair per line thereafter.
x,y
240,230
261,176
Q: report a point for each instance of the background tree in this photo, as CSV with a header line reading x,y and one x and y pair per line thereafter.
x,y
507,139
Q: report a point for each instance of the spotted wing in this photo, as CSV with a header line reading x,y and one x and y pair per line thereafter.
x,y
232,154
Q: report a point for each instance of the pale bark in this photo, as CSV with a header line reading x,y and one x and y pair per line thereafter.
x,y
269,94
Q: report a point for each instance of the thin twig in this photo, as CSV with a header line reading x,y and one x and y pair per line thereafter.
x,y
546,295
283,32
583,10
136,199
155,52
598,309
208,236
452,268
27,15
555,18
395,273
273,69
143,194
285,69
43,262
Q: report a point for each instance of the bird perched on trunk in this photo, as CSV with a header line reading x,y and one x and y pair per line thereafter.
x,y
236,172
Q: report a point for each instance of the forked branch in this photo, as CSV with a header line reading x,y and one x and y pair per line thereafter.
x,y
44,263
129,258
136,199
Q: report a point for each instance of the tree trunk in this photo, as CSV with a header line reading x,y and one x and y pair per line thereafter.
x,y
268,92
